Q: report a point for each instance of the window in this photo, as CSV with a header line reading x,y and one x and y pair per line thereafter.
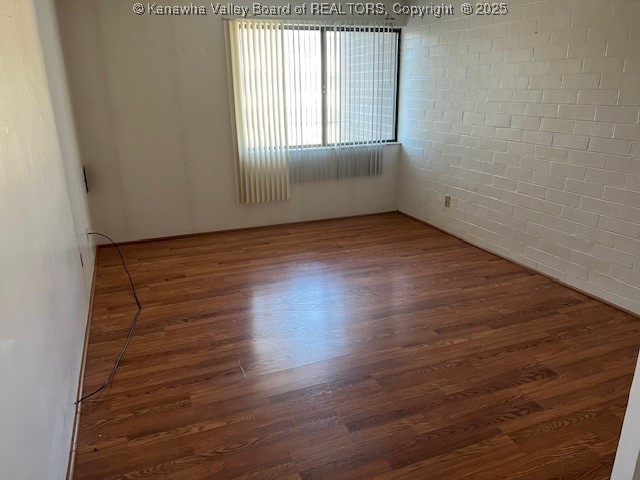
x,y
327,73
354,56
311,102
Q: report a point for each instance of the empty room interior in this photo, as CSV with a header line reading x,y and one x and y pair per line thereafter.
x,y
306,240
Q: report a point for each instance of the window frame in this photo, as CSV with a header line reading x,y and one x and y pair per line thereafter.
x,y
323,72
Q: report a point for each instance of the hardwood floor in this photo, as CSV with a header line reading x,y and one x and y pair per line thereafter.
x,y
373,347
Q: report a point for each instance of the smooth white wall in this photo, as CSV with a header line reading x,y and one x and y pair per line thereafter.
x,y
627,463
65,128
43,292
150,95
530,121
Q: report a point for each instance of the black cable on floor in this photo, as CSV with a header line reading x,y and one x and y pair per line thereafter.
x,y
131,329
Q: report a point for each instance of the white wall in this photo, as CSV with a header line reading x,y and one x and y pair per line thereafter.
x,y
65,128
150,95
43,292
627,463
530,122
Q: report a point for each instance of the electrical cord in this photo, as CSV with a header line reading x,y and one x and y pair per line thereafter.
x,y
131,329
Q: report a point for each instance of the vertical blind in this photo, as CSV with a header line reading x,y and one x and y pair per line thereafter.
x,y
311,102
257,58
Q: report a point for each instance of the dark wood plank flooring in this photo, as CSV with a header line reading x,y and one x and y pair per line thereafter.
x,y
366,348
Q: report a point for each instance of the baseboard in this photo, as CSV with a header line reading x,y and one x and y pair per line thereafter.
x,y
564,284
83,362
240,229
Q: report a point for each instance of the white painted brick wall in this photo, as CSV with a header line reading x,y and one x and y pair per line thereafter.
x,y
531,122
